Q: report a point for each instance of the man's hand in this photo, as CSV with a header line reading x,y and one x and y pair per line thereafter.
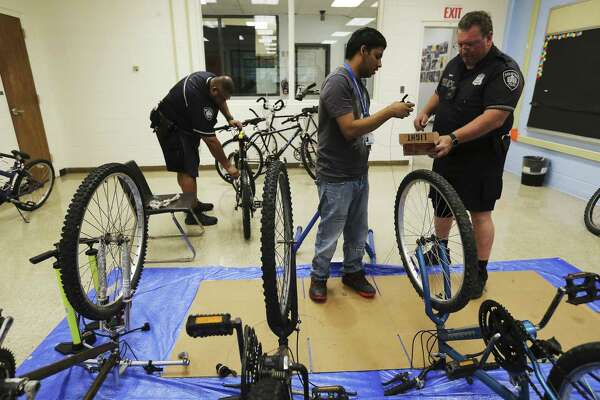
x,y
421,121
236,124
443,145
232,171
400,109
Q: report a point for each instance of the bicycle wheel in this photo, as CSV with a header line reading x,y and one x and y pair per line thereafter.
x,y
451,255
247,199
277,257
592,214
254,156
34,184
308,151
270,388
577,373
107,213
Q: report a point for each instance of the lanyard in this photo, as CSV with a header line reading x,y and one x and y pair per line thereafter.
x,y
359,93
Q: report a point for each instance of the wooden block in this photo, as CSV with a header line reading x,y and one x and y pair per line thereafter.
x,y
418,143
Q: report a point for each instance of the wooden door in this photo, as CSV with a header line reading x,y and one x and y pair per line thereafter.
x,y
19,87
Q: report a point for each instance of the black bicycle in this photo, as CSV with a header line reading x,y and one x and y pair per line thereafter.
x,y
592,214
245,187
26,184
263,147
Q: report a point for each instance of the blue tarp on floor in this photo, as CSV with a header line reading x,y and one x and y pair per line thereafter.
x,y
163,299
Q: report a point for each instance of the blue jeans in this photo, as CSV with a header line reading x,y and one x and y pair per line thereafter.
x,y
343,207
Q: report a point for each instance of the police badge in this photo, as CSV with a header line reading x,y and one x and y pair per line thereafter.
x,y
511,79
209,113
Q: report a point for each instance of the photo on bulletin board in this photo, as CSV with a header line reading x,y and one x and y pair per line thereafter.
x,y
433,61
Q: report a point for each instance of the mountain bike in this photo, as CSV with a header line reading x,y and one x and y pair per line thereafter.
x,y
26,184
245,188
592,214
437,247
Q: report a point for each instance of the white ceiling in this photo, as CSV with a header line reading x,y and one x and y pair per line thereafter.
x,y
244,7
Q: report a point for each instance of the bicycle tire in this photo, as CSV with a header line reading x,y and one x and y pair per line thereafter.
x,y
590,214
467,246
77,227
270,388
247,198
308,152
278,273
571,364
23,184
230,148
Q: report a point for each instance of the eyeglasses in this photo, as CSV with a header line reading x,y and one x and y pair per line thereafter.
x,y
467,45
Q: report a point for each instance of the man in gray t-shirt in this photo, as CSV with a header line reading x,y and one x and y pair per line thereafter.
x,y
345,138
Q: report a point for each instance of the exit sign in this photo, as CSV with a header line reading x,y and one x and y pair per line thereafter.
x,y
452,12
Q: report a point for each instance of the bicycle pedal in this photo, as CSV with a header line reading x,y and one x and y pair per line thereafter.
x,y
331,392
582,287
461,369
205,325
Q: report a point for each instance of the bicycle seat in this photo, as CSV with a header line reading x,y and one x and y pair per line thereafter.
x,y
310,110
20,154
253,121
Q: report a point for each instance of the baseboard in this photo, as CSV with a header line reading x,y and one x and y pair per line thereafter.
x,y
154,168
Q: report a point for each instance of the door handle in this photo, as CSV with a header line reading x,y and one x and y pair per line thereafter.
x,y
16,112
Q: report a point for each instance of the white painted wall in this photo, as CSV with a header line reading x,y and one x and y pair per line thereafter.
x,y
95,108
8,140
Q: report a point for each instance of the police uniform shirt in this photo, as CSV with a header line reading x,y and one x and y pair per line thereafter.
x,y
496,82
190,106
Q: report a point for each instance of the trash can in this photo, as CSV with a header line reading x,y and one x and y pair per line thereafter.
x,y
534,170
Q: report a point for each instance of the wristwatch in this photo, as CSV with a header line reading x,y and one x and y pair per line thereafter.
x,y
454,139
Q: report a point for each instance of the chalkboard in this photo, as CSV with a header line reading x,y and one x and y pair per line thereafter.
x,y
566,97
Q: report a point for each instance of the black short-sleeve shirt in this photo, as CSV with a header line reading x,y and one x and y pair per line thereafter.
x,y
189,105
496,82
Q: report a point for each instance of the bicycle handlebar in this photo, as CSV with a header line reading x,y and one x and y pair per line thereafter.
x,y
8,156
251,121
43,256
304,92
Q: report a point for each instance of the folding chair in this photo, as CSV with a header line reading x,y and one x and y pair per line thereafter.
x,y
182,205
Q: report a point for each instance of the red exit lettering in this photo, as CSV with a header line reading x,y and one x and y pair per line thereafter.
x,y
452,12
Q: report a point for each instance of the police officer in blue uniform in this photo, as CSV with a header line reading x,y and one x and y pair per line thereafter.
x,y
187,114
473,106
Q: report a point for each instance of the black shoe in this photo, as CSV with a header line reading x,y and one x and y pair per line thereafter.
x,y
318,290
434,256
358,282
204,206
204,219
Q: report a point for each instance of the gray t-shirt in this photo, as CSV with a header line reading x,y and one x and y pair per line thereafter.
x,y
337,158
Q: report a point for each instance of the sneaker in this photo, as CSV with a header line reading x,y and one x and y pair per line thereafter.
x,y
433,256
358,282
204,206
318,290
204,219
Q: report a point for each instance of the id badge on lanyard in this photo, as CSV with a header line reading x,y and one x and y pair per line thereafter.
x,y
369,138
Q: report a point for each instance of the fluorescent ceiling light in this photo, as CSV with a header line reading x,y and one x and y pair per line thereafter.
x,y
360,21
258,24
374,4
264,31
207,1
241,37
211,24
346,3
329,41
340,34
268,2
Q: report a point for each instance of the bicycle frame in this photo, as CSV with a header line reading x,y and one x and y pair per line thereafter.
x,y
470,333
6,190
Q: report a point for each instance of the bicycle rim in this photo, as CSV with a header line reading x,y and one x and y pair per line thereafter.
x,y
35,184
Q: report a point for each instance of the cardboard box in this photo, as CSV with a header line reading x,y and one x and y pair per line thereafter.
x,y
418,143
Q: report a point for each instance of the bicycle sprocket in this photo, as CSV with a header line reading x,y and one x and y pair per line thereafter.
x,y
251,360
509,350
7,364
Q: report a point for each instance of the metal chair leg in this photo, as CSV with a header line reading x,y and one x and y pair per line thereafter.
x,y
185,237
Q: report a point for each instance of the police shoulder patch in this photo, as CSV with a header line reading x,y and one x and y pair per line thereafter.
x,y
511,79
209,113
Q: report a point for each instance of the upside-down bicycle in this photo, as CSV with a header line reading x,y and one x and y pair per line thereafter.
x,y
99,258
26,184
442,269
